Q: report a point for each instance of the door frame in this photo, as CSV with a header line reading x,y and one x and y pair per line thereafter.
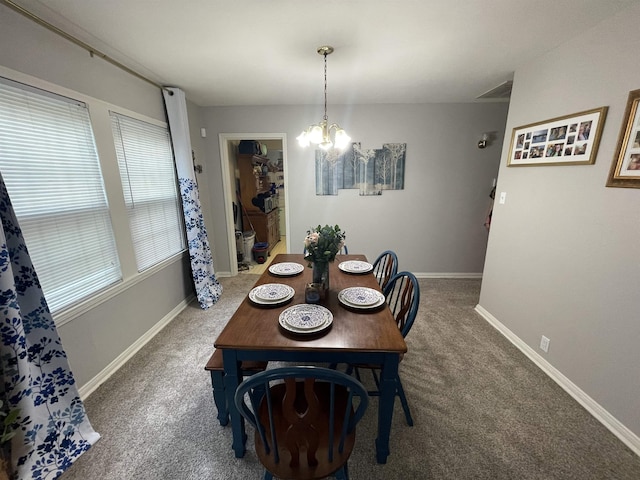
x,y
224,141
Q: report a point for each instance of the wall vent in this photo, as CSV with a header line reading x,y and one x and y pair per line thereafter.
x,y
501,91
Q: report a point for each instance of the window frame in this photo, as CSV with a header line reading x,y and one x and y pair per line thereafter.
x,y
101,125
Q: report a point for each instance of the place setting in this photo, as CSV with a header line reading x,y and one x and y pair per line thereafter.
x,y
361,298
286,269
305,319
271,294
355,266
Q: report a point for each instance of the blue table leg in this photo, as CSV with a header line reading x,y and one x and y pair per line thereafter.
x,y
232,378
385,407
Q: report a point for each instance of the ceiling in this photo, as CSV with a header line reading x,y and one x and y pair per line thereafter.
x,y
257,52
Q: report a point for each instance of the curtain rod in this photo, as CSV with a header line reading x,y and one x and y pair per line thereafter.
x,y
92,51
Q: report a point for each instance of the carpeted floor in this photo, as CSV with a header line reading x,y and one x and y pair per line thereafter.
x,y
482,410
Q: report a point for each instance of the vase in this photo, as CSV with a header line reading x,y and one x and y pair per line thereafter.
x,y
321,275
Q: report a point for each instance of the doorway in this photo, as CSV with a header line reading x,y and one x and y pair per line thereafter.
x,y
228,149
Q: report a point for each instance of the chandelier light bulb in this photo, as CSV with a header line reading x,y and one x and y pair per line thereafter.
x,y
342,139
316,134
303,139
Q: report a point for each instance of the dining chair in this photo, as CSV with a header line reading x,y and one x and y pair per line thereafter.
x,y
216,368
305,424
385,267
403,297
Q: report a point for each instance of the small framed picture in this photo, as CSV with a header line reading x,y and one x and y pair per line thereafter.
x,y
569,140
625,169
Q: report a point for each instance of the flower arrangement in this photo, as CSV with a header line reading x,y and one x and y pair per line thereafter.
x,y
322,244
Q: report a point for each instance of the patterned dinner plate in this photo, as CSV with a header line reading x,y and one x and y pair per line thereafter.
x,y
355,266
270,303
360,297
286,268
272,292
305,318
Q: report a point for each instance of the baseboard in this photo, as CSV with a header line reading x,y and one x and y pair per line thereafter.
x,y
627,437
89,387
448,275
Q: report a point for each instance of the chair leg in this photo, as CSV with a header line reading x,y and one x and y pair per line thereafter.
x,y
219,396
268,475
403,401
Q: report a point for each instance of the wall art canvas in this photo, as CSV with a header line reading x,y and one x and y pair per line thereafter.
x,y
369,170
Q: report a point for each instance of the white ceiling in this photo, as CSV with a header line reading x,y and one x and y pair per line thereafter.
x,y
263,52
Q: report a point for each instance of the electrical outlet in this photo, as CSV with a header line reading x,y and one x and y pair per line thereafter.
x,y
544,344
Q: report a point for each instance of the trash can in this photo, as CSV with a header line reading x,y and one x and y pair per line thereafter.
x,y
239,246
260,252
248,239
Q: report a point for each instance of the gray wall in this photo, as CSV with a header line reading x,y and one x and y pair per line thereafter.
x,y
560,260
100,335
435,224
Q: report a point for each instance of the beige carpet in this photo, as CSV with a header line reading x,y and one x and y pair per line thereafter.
x,y
482,410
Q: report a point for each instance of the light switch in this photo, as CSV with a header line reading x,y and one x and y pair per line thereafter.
x,y
503,197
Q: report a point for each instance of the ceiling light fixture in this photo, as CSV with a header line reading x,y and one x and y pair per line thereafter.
x,y
320,133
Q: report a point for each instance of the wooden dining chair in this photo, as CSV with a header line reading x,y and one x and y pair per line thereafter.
x,y
403,297
385,267
305,425
216,368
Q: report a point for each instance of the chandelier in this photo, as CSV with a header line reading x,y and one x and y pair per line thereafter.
x,y
320,133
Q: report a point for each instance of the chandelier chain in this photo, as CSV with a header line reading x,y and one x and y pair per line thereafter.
x,y
326,118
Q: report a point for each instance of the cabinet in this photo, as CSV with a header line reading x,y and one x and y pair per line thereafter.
x,y
266,226
252,183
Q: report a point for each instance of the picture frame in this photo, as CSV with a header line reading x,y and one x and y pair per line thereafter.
x,y
625,169
568,140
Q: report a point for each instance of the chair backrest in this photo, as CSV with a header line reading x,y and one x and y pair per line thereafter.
x,y
403,297
305,427
385,267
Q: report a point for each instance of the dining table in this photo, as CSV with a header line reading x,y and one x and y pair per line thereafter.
x,y
354,335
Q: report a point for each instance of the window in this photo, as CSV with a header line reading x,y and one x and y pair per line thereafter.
x,y
50,166
147,170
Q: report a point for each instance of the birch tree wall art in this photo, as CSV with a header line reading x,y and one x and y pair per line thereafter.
x,y
369,170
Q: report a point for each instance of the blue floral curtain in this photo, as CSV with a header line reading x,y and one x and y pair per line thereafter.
x,y
208,289
52,429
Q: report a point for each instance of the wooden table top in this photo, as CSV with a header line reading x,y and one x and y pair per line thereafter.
x,y
253,327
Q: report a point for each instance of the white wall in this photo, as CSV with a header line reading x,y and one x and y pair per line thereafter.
x,y
561,260
435,224
103,335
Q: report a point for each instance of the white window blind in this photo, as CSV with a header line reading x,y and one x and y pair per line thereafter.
x,y
147,170
50,166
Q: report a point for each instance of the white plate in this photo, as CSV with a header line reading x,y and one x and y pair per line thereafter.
x,y
258,301
271,293
286,268
355,266
360,296
305,318
361,307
